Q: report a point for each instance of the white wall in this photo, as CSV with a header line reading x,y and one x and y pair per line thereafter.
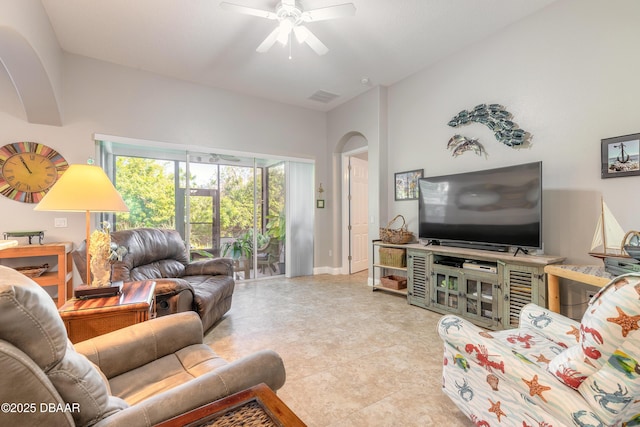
x,y
107,99
364,115
569,76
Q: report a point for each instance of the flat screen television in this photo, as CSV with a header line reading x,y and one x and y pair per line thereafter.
x,y
488,209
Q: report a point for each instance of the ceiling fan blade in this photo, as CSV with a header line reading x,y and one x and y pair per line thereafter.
x,y
289,3
248,10
330,12
229,158
301,33
269,41
315,43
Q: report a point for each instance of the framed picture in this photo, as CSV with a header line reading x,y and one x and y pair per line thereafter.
x,y
320,203
620,156
406,184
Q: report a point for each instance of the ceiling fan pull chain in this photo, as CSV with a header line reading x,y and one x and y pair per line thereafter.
x,y
290,44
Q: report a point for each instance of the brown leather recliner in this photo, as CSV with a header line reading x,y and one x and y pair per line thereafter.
x,y
136,376
204,286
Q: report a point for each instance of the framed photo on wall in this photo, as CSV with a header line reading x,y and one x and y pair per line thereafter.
x,y
406,184
621,156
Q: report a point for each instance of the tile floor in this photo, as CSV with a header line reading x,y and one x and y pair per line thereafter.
x,y
353,357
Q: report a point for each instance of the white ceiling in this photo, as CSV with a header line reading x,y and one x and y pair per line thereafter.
x,y
197,41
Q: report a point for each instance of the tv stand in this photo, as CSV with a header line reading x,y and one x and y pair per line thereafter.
x,y
486,287
521,249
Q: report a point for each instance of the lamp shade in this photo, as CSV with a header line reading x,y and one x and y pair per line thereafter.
x,y
83,188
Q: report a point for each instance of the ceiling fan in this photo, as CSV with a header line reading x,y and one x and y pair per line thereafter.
x,y
291,17
217,158
213,158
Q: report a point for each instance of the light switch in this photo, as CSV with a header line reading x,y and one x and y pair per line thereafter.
x,y
60,222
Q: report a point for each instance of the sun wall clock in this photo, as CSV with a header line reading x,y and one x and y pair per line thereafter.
x,y
29,170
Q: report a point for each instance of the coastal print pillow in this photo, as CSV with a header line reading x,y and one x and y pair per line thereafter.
x,y
610,316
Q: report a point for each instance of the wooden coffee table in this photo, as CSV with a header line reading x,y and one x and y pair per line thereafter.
x,y
88,318
256,406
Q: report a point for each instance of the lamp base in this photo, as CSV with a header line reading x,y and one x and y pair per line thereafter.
x,y
86,291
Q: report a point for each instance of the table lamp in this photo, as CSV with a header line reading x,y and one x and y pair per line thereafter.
x,y
83,188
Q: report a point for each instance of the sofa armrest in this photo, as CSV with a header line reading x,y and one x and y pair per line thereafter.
x,y
24,382
134,346
264,366
553,326
210,267
172,286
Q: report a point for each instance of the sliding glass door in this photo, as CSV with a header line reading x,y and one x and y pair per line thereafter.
x,y
222,205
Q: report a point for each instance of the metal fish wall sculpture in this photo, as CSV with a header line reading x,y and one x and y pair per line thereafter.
x,y
459,144
496,118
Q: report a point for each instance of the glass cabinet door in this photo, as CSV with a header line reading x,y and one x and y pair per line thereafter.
x,y
479,297
446,289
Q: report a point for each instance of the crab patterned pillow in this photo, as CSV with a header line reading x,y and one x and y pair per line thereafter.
x,y
610,316
612,391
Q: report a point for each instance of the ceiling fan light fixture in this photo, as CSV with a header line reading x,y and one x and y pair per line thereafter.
x,y
285,28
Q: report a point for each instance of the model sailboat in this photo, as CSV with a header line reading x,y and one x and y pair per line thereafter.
x,y
609,235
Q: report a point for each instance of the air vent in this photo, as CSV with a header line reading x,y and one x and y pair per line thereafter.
x,y
323,96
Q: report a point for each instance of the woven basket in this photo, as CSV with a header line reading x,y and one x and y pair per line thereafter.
x,y
393,257
394,282
398,236
33,271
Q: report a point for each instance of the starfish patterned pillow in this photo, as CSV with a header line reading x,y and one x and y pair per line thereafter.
x,y
611,315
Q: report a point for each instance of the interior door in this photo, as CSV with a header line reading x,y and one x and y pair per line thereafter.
x,y
358,214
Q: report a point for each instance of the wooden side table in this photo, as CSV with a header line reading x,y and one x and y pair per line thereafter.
x,y
587,274
63,278
88,318
255,406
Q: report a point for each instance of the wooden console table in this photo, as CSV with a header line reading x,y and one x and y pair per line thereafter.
x,y
588,274
63,278
256,406
87,318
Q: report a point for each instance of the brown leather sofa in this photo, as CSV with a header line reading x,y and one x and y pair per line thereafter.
x,y
137,376
204,286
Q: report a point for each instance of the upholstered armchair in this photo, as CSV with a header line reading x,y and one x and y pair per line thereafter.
x,y
136,376
551,371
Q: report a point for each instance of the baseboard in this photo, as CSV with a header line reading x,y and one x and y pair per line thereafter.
x,y
334,271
